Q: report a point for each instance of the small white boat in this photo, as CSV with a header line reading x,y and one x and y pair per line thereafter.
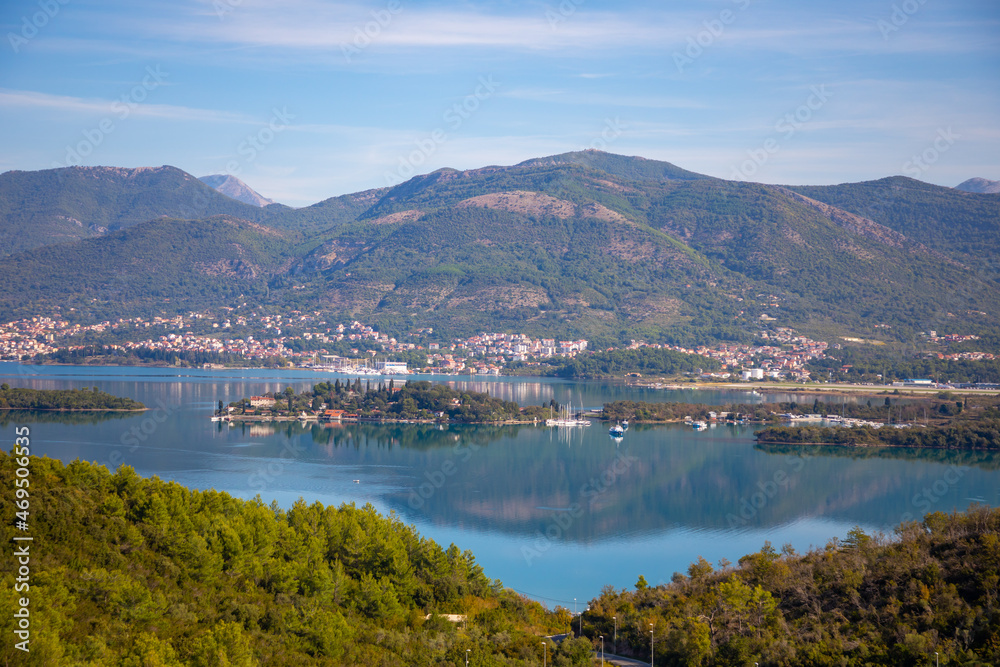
x,y
616,431
566,418
699,425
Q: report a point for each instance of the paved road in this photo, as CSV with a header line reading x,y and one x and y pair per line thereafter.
x,y
620,660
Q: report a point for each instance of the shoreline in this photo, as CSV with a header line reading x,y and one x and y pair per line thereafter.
x,y
843,389
668,385
310,420
871,445
142,409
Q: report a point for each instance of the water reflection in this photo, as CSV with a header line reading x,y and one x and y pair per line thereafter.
x,y
8,417
542,508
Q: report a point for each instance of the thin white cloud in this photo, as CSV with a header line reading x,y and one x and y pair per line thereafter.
x,y
28,99
622,101
312,25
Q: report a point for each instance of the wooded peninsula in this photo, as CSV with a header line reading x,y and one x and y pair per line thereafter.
x,y
412,401
64,399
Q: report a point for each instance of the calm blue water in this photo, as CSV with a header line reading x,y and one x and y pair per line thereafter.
x,y
556,514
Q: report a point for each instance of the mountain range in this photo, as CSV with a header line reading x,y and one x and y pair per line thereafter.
x,y
586,244
980,185
236,189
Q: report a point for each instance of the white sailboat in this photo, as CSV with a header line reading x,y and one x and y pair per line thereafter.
x,y
566,418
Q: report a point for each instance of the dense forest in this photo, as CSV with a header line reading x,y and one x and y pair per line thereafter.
x,y
891,408
132,571
869,600
63,399
984,434
412,400
643,411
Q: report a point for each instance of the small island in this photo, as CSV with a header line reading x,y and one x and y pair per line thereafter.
x,y
983,434
65,400
419,401
941,422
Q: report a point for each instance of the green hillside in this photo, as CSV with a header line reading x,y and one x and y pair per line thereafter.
x,y
868,600
560,247
963,225
584,244
160,266
132,571
631,168
62,205
320,217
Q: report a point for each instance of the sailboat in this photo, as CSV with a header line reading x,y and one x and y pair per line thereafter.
x,y
566,418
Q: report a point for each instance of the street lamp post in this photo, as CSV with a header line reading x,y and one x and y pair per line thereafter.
x,y
467,657
652,655
615,645
936,663
545,655
602,650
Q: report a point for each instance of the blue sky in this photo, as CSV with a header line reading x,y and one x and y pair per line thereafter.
x,y
306,99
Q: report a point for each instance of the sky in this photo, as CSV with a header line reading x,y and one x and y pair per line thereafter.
x,y
306,99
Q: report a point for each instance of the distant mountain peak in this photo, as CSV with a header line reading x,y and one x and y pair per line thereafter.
x,y
626,166
980,186
236,189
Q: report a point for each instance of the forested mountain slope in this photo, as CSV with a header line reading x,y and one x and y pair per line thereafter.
x,y
132,571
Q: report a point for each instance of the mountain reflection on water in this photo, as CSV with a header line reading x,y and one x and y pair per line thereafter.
x,y
554,512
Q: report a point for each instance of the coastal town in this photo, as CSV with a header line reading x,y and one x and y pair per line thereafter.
x,y
307,340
